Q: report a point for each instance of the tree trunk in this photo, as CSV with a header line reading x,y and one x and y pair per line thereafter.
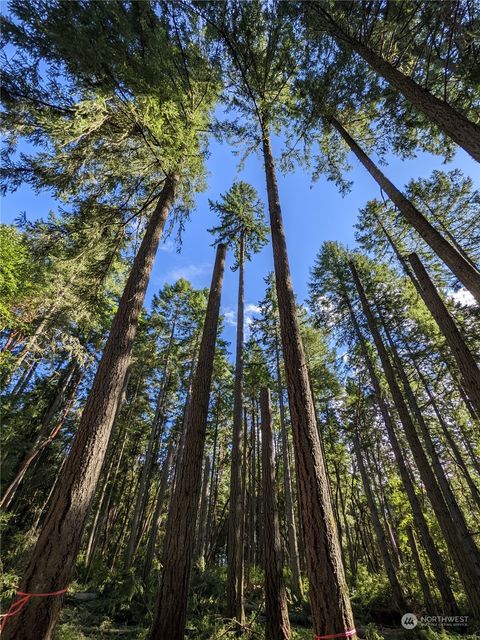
x,y
408,271
331,610
235,543
213,476
397,592
276,611
152,538
144,485
253,491
465,361
458,265
66,377
51,563
436,562
459,548
152,450
457,455
293,556
259,497
44,438
104,501
21,385
179,533
454,124
31,342
341,510
439,471
428,600
183,431
202,517
471,410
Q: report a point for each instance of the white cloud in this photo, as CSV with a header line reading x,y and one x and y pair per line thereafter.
x,y
252,308
230,317
189,271
167,246
463,297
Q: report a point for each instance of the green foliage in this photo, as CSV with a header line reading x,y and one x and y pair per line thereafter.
x,y
133,118
427,633
254,44
108,99
370,590
415,39
448,200
242,221
68,631
372,633
125,598
16,272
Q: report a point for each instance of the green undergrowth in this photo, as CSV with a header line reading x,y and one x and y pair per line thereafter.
x,y
123,608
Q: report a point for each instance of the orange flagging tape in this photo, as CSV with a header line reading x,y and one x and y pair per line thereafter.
x,y
18,605
344,634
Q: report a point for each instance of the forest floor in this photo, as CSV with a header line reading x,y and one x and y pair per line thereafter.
x,y
96,620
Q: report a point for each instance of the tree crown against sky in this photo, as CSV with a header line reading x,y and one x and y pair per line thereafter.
x,y
241,221
255,46
435,46
112,121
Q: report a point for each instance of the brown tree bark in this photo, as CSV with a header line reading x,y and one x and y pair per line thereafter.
x,y
457,455
439,471
458,546
436,562
202,516
457,127
258,483
104,500
331,610
458,265
235,567
243,523
183,430
397,592
153,534
252,537
151,452
428,600
44,437
212,498
466,363
179,531
293,556
52,559
143,485
276,611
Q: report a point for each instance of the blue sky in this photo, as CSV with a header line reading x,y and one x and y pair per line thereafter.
x,y
312,213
